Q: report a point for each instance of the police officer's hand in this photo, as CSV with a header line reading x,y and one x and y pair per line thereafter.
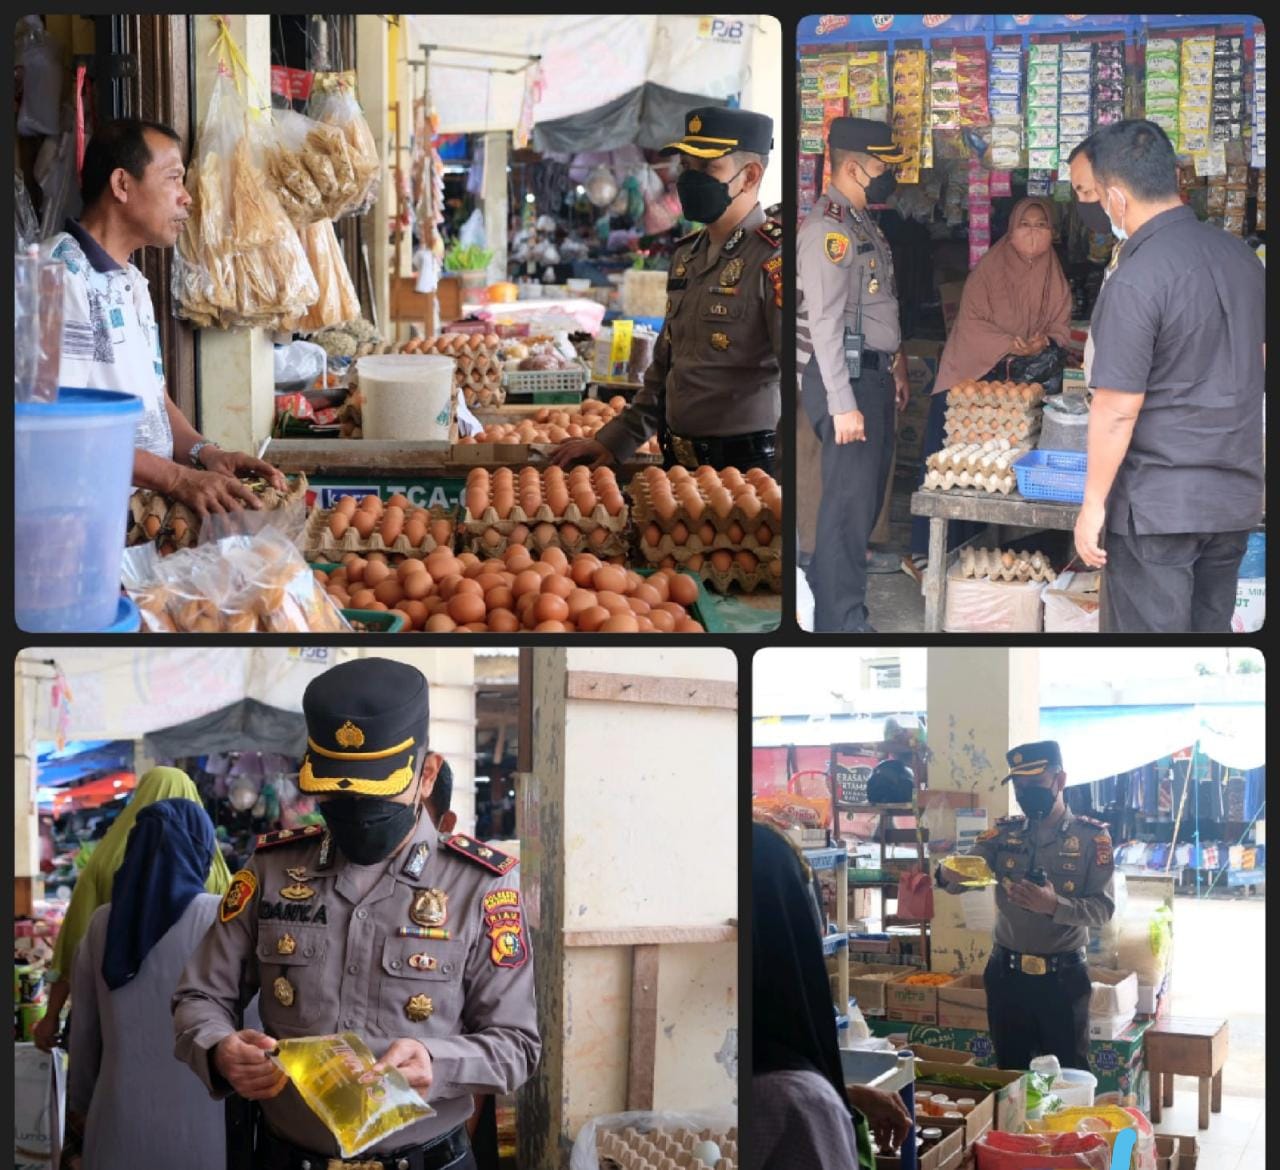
x,y
1038,899
242,1060
582,451
850,427
412,1060
1088,534
210,491
885,1113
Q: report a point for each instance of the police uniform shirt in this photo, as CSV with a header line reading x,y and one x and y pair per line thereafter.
x,y
841,254
319,938
717,355
1077,860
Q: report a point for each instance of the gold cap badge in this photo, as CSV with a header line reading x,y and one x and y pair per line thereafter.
x,y
349,735
695,124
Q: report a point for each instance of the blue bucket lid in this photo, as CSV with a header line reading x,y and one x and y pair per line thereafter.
x,y
128,618
74,401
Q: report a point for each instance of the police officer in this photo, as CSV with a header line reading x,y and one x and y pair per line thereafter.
x,y
379,925
1055,879
856,375
713,392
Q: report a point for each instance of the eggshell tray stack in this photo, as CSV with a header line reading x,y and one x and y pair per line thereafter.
x,y
980,411
994,565
318,543
177,526
767,576
984,466
478,368
661,1149
668,547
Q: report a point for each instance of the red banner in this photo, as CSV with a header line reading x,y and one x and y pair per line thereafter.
x,y
293,84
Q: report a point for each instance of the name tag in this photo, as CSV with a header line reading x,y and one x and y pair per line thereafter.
x,y
676,283
867,247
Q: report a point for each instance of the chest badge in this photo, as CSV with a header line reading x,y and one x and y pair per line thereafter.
x,y
422,962
680,269
873,286
1010,862
419,1008
283,991
718,309
286,944
1071,845
720,341
430,908
1068,887
731,273
298,892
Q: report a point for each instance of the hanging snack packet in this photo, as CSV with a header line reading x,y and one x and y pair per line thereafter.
x,y
356,167
333,1075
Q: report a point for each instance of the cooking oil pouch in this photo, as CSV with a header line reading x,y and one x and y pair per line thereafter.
x,y
333,1076
974,867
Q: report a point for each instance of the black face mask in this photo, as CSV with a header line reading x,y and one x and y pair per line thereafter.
x,y
881,187
703,197
1093,216
368,828
1036,802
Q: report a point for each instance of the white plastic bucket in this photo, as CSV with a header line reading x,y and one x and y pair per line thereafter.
x,y
407,396
1075,1086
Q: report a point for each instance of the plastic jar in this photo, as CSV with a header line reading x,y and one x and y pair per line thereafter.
x,y
953,1115
966,1105
931,1133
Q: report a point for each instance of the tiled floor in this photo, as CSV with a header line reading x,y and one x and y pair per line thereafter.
x,y
1236,1138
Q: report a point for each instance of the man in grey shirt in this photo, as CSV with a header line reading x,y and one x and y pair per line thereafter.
x,y
1175,433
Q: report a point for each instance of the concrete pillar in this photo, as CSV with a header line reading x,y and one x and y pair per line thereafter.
x,y
494,201
374,92
236,371
981,702
28,884
763,94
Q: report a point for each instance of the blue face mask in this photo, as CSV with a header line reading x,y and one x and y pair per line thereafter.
x,y
1117,229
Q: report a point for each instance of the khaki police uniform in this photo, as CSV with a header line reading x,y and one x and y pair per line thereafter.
x,y
429,944
845,269
713,390
1037,980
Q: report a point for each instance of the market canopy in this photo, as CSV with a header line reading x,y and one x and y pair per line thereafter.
x,y
634,70
247,726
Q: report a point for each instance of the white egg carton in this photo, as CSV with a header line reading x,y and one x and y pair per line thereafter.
x,y
986,466
660,1149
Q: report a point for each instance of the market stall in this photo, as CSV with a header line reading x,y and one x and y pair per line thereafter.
x,y
989,108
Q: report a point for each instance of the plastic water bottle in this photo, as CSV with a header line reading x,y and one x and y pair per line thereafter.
x,y
1048,1067
858,1029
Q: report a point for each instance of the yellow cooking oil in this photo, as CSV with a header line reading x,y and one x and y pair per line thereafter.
x,y
973,866
359,1107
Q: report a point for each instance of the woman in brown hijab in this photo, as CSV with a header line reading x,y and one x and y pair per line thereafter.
x,y
1015,302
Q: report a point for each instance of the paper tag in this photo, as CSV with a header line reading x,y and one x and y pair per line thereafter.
x,y
620,356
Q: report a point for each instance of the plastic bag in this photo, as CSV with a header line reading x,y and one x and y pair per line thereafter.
x,y
26,228
337,303
291,162
788,811
345,132
55,171
360,1108
238,262
238,585
915,896
974,867
40,59
299,362
472,234
998,1150
631,1127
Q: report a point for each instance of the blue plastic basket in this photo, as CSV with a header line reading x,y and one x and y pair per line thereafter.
x,y
1052,475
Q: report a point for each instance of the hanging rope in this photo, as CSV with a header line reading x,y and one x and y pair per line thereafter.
x,y
231,63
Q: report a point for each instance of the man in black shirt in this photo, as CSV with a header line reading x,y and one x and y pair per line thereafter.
x,y
1175,433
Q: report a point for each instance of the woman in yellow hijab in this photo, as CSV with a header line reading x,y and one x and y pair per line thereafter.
x,y
93,887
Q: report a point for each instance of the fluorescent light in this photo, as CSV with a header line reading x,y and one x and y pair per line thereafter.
x,y
581,189
529,198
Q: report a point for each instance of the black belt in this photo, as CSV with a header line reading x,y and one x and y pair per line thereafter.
x,y
433,1155
725,452
874,359
1038,964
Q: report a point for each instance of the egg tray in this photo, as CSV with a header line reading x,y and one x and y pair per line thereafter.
x,y
761,579
976,393
632,1149
617,543
991,564
145,503
667,547
319,544
642,513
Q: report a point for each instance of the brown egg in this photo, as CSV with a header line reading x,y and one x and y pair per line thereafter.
x,y
389,592
694,563
747,561
355,568
503,621
442,563
517,558
764,535
721,503
404,617
371,504
593,618
736,534
468,585
346,505
613,602
689,626
499,597
542,569
707,534
660,583
376,573
551,608
583,568
362,599
647,593
488,579
557,499
679,532
504,499
676,610
772,500
339,522
379,607
599,538
662,621
621,623
550,627
417,612
398,501
558,586
652,535
609,577
544,535
749,504
585,499
379,555
364,522
440,623
555,557
528,581
392,525
441,531
491,538
446,587
664,507
684,590
570,535
637,606
580,600
693,505
524,608
467,607
722,560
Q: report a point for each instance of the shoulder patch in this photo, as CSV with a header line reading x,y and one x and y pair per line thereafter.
x,y
491,859
238,896
771,230
288,837
773,270
835,245
1102,849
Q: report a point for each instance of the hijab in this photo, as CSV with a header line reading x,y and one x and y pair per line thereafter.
x,y
93,886
1006,296
165,866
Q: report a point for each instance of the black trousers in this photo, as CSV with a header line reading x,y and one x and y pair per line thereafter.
x,y
853,485
1171,584
1038,1015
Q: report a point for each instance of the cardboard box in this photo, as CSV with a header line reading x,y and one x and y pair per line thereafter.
x,y
870,992
904,1001
1115,993
941,1055
950,294
1109,1027
980,1119
1007,1088
963,1004
947,1154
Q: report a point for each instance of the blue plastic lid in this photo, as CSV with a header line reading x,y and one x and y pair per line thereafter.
x,y
73,401
128,618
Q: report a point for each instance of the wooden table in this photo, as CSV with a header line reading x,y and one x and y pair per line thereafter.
x,y
1190,1047
1011,511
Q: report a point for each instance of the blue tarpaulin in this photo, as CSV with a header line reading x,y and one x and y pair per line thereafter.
x,y
82,759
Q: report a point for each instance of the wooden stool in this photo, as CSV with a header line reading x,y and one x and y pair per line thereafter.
x,y
1188,1047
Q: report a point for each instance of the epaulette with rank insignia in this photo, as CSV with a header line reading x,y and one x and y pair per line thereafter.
x,y
771,230
288,837
1097,824
491,859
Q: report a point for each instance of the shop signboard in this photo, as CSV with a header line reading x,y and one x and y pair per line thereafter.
x,y
421,493
722,30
